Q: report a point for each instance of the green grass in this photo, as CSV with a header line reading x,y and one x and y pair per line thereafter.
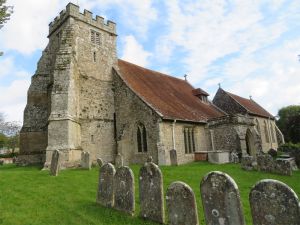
x,y
30,196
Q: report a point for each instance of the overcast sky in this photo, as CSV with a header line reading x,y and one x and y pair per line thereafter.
x,y
250,47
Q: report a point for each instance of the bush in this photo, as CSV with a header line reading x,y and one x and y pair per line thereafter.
x,y
9,155
289,147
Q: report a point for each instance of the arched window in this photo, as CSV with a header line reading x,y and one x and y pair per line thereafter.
x,y
266,130
142,138
139,140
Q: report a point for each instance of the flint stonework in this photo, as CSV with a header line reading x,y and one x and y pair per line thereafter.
x,y
173,157
124,190
221,200
274,203
181,204
85,160
105,194
55,163
151,193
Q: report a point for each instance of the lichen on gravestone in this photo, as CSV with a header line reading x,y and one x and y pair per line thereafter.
x,y
105,194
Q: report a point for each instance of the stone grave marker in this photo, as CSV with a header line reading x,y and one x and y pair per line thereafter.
x,y
181,204
124,190
85,160
105,195
221,200
119,161
273,202
100,162
55,163
265,163
283,167
248,162
173,157
151,193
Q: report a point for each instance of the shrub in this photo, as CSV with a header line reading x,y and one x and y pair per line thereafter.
x,y
289,147
272,152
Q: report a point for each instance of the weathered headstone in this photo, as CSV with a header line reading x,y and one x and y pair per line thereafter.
x,y
283,167
119,160
173,157
265,163
105,195
124,190
151,193
273,202
234,157
221,200
85,160
55,163
181,204
100,162
248,163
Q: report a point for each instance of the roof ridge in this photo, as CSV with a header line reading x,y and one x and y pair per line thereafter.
x,y
155,71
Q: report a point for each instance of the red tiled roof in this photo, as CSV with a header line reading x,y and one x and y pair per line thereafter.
x,y
251,106
169,96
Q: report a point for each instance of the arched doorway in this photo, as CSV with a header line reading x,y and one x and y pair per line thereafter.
x,y
250,143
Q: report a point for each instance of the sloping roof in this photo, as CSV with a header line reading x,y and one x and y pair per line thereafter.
x,y
251,106
171,97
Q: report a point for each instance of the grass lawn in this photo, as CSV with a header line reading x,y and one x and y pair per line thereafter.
x,y
30,196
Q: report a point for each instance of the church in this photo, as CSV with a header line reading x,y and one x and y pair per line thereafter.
x,y
83,98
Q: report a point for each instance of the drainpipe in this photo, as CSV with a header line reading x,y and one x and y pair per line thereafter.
x,y
173,134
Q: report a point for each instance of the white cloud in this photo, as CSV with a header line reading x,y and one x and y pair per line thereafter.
x,y
6,65
134,52
13,99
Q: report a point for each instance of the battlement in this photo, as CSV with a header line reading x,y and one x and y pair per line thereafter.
x,y
72,10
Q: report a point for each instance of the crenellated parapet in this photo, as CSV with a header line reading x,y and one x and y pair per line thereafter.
x,y
72,10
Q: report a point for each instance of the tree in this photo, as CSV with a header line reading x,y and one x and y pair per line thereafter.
x,y
289,123
5,12
9,132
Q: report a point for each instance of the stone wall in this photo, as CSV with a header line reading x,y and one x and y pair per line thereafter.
x,y
271,142
202,142
131,111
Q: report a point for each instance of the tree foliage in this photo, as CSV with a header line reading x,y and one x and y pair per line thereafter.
x,y
5,12
9,133
289,123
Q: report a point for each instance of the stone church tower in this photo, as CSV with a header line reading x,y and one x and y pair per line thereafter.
x,y
70,105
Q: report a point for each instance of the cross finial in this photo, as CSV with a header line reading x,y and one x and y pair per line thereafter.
x,y
219,85
299,57
185,77
250,97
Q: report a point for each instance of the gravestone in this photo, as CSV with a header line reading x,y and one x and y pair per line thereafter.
x,y
119,161
265,163
234,157
100,162
221,200
105,195
173,157
124,190
55,163
283,167
181,204
248,162
274,203
151,193
85,160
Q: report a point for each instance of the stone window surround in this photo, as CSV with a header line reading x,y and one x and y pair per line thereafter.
x,y
96,38
141,135
189,140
